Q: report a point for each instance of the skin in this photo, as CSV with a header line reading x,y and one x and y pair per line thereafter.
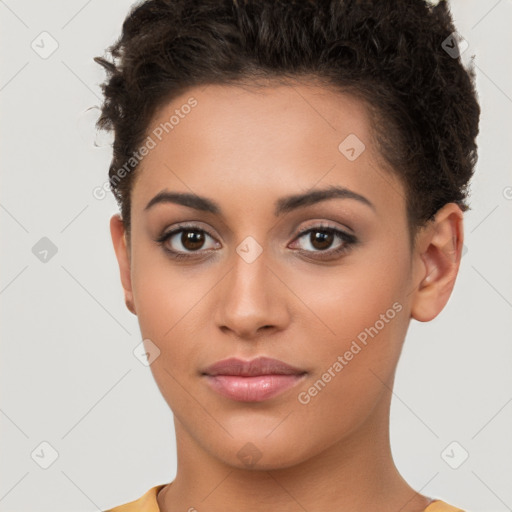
x,y
245,148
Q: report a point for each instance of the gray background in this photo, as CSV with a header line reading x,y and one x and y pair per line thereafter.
x,y
68,376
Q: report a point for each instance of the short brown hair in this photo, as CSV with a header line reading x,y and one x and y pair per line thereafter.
x,y
389,52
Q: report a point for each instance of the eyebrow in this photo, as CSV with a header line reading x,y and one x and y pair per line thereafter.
x,y
282,205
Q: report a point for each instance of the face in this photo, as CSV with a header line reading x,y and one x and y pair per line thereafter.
x,y
292,245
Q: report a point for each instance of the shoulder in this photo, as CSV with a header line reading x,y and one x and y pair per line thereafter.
x,y
146,503
441,506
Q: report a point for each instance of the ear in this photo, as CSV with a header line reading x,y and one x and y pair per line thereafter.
x,y
118,234
437,260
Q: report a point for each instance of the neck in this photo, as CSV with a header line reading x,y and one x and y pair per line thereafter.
x,y
355,474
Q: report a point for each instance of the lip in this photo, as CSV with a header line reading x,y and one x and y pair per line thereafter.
x,y
252,381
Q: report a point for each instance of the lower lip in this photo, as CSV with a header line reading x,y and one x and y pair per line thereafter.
x,y
252,389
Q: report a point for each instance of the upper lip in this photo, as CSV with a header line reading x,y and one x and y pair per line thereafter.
x,y
254,367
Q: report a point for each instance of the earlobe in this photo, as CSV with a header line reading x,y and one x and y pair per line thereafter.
x,y
438,253
118,234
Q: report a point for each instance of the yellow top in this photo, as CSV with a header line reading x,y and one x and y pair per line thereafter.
x,y
148,503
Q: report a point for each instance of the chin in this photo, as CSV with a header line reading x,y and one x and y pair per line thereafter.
x,y
261,455
258,446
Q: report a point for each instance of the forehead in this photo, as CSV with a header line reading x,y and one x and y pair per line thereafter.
x,y
241,142
262,120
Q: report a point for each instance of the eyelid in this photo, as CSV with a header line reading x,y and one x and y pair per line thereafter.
x,y
182,226
320,224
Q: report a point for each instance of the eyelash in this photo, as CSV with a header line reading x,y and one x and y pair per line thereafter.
x,y
347,239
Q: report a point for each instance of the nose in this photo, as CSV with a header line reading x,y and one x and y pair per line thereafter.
x,y
251,300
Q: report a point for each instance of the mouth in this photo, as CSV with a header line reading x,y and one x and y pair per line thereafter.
x,y
252,381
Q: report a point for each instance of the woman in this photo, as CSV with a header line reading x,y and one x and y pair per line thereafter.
x,y
292,177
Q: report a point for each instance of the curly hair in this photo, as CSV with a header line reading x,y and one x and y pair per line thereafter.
x,y
390,53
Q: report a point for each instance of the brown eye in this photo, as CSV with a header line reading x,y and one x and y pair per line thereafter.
x,y
321,240
184,242
192,240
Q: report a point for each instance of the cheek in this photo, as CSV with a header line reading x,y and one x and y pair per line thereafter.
x,y
359,311
165,294
355,366
166,299
351,297
168,308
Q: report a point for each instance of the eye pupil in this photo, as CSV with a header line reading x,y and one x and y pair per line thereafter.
x,y
324,238
192,240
